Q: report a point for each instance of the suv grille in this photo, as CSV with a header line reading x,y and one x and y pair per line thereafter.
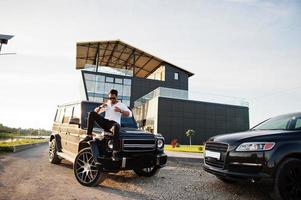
x,y
138,145
216,147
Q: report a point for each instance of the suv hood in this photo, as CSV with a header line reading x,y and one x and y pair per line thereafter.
x,y
248,136
133,132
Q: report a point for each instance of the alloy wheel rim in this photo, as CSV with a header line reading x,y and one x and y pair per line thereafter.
x,y
86,170
148,169
51,150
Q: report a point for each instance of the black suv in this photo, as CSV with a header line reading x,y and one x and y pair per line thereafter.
x,y
140,151
270,151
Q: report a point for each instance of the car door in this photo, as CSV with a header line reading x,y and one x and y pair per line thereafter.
x,y
64,132
74,130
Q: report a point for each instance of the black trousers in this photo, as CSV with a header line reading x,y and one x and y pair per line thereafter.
x,y
107,125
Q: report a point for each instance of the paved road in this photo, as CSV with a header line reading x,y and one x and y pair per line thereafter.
x,y
28,175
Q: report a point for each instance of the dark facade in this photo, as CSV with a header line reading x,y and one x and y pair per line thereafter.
x,y
176,116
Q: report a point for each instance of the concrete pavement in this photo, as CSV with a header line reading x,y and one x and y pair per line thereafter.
x,y
184,156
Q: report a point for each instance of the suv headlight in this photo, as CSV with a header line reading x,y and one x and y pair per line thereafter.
x,y
110,144
160,143
255,146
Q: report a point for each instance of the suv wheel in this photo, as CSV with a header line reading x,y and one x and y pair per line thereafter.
x,y
287,183
148,172
85,169
52,154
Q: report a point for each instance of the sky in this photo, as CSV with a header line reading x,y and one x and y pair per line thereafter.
x,y
239,49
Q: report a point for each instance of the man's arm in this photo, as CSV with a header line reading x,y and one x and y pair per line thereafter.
x,y
124,111
101,108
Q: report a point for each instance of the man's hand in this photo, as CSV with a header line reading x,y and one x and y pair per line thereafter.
x,y
124,113
117,109
101,108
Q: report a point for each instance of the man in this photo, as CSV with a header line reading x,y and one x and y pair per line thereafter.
x,y
113,109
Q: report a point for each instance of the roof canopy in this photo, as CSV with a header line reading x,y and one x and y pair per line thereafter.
x,y
118,54
4,38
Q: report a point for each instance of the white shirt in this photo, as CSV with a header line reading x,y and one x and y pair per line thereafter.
x,y
111,114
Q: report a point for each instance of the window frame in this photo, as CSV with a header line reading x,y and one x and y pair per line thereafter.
x,y
176,76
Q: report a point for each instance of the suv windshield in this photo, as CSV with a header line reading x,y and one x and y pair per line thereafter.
x,y
287,122
90,106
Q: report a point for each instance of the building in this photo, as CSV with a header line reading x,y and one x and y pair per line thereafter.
x,y
156,90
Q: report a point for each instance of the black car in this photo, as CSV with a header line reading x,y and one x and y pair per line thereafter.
x,y
269,152
140,151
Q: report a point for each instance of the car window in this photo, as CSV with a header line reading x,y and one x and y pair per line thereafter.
x,y
56,115
68,114
298,124
61,115
76,111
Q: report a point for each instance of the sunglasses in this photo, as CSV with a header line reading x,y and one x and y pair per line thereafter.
x,y
112,98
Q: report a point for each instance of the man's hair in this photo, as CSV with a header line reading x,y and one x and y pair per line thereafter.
x,y
114,92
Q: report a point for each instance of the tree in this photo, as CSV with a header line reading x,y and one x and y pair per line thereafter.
x,y
189,133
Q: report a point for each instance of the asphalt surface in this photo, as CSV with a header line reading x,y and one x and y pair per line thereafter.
x,y
29,175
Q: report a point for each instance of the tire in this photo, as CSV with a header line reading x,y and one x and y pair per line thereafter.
x,y
287,180
147,172
52,153
85,169
225,180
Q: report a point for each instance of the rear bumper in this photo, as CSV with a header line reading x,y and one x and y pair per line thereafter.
x,y
129,163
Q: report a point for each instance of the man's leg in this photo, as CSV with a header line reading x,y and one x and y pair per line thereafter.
x,y
94,117
115,130
114,127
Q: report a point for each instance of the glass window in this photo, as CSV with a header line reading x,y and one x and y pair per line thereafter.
x,y
90,86
76,111
126,90
62,110
126,102
176,76
109,79
90,77
119,89
100,87
57,115
118,80
274,124
127,81
108,87
298,123
100,78
68,114
98,99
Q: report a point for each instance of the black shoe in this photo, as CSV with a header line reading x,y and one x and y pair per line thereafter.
x,y
87,138
114,155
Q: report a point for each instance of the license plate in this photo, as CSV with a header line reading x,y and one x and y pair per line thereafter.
x,y
213,154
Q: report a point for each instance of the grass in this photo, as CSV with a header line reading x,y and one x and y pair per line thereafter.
x,y
186,148
21,142
9,135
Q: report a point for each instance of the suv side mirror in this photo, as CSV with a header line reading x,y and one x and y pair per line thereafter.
x,y
74,121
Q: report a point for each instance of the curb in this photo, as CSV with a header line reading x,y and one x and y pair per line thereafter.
x,y
21,147
185,159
